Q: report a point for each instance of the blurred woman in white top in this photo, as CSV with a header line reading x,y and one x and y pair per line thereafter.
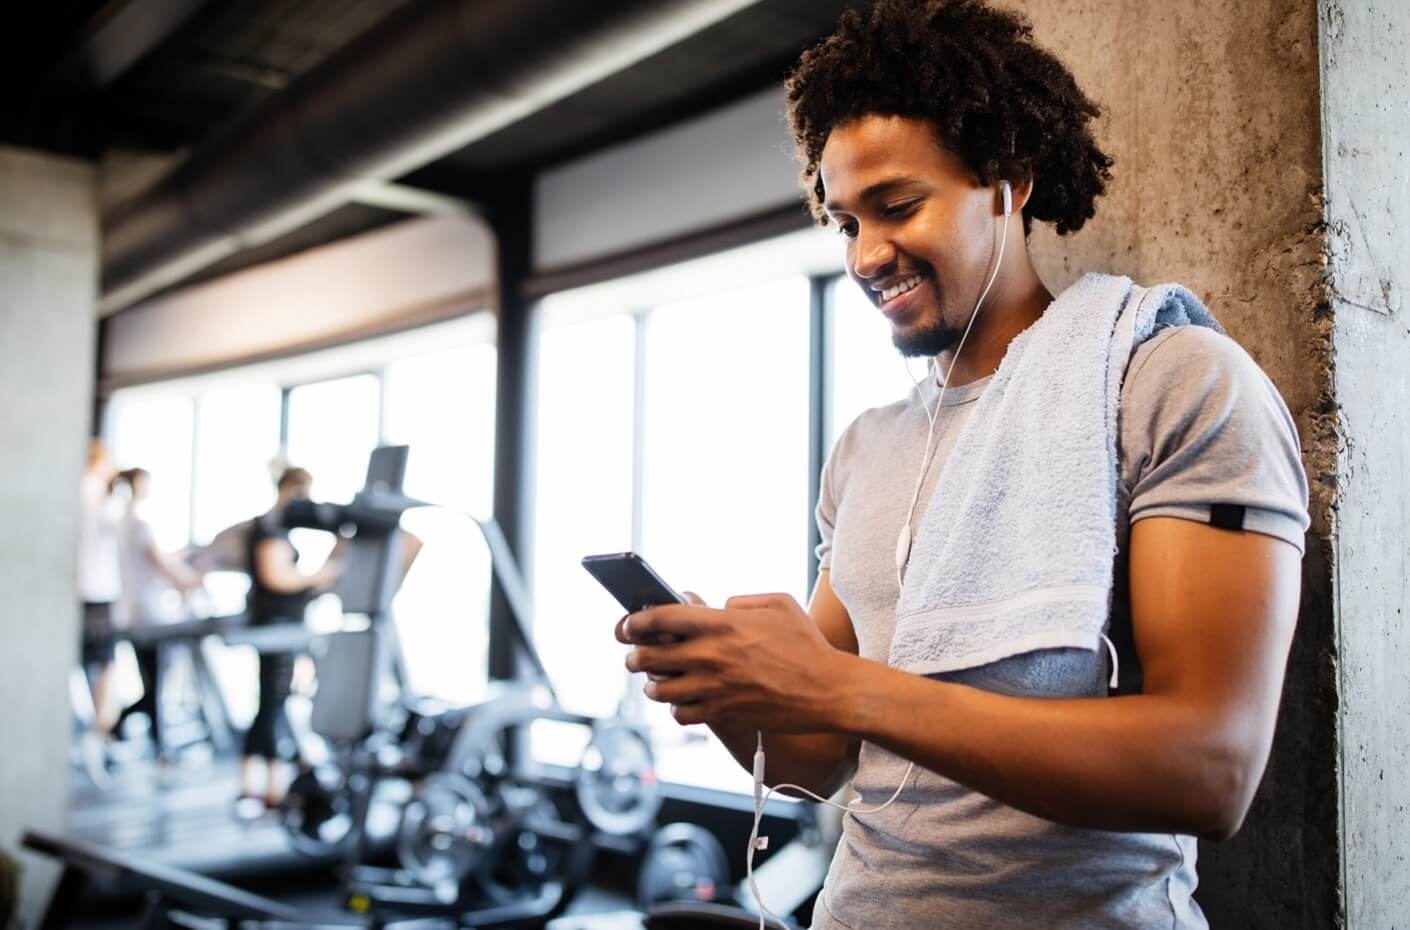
x,y
99,574
149,577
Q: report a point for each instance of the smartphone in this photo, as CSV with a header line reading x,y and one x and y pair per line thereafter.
x,y
628,578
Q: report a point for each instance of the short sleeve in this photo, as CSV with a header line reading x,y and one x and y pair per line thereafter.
x,y
1205,436
265,526
826,513
146,536
830,490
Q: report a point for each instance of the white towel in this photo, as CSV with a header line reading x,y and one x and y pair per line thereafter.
x,y
1015,549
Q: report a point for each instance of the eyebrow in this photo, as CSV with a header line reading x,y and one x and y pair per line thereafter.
x,y
878,190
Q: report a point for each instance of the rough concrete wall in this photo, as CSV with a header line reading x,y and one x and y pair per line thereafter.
x,y
1366,131
48,278
1212,117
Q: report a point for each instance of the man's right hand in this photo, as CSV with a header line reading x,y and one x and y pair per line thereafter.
x,y
821,762
624,635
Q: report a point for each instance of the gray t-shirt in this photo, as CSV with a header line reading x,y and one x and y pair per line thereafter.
x,y
1200,425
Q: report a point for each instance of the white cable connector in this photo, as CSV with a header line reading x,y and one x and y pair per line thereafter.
x,y
1115,679
759,767
757,842
762,796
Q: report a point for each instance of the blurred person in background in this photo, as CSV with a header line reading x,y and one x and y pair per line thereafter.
x,y
148,577
279,593
99,587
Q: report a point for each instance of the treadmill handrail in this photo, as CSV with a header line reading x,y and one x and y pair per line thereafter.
x,y
205,895
516,591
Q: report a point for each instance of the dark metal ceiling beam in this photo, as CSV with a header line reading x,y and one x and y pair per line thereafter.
x,y
431,80
120,35
445,177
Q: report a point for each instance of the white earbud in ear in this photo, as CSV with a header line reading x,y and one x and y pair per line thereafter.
x,y
1007,191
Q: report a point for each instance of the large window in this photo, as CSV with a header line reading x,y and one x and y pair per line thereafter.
x,y
674,413
152,429
442,406
583,502
724,484
237,442
236,449
866,370
333,426
725,441
680,431
213,445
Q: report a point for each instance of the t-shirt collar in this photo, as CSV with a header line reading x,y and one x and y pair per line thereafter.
x,y
956,395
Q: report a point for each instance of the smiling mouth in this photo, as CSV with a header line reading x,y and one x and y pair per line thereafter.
x,y
901,287
895,301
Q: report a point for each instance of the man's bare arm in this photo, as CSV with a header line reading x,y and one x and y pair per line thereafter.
x,y
1213,613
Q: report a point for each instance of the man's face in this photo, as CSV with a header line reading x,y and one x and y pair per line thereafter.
x,y
919,227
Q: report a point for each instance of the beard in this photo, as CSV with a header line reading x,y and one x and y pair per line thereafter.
x,y
928,339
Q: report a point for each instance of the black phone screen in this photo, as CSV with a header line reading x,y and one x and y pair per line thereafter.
x,y
628,578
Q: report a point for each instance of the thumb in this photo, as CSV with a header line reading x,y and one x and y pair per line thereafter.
x,y
693,598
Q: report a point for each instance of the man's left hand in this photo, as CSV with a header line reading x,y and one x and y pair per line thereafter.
x,y
761,661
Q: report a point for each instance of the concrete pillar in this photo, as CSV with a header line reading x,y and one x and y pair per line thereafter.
x,y
1365,55
1261,152
48,279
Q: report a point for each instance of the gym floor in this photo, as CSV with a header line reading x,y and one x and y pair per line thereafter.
x,y
184,815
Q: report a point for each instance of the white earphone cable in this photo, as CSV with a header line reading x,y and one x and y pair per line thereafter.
x,y
761,795
903,544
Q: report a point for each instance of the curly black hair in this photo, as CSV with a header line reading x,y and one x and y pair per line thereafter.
x,y
1004,105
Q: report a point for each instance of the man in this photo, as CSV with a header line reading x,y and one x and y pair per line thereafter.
x,y
1037,800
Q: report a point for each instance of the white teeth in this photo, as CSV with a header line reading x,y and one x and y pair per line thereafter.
x,y
901,288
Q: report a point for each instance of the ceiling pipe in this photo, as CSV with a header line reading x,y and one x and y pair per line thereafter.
x,y
437,76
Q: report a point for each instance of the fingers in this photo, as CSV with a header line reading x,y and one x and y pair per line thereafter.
x,y
680,620
688,702
759,601
688,714
683,621
682,689
667,659
625,637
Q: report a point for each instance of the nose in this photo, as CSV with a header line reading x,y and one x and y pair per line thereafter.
x,y
872,254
